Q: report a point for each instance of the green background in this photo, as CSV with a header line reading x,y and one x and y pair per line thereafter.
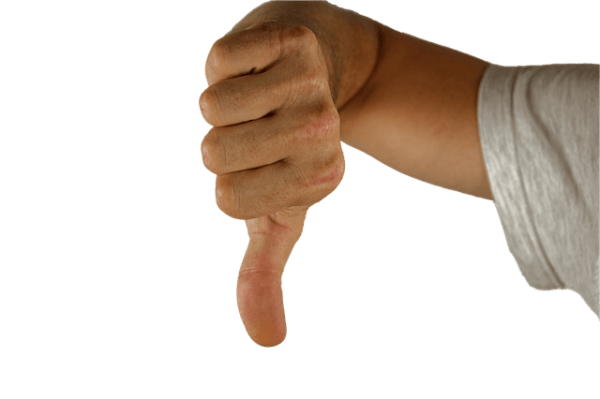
x,y
118,272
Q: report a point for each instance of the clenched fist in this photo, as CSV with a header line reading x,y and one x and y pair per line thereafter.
x,y
275,148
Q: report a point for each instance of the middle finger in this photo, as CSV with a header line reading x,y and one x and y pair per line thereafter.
x,y
267,140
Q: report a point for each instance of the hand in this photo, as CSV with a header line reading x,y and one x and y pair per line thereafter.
x,y
275,148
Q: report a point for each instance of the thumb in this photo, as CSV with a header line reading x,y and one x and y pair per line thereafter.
x,y
259,295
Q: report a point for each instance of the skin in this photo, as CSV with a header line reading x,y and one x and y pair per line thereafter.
x,y
418,114
276,150
287,85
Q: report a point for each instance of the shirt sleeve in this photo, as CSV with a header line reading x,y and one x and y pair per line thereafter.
x,y
539,135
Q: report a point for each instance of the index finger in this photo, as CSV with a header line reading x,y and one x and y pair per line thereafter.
x,y
254,49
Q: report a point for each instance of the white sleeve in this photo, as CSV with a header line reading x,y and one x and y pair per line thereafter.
x,y
539,134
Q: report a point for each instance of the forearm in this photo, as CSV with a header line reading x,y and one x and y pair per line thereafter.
x,y
418,114
408,103
348,40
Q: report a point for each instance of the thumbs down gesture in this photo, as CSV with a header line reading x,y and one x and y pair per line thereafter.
x,y
276,150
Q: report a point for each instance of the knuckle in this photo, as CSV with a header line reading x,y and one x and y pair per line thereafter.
x,y
330,174
305,35
340,168
209,104
333,170
330,118
215,61
206,153
317,82
211,152
206,104
217,54
326,171
297,36
227,196
311,84
323,126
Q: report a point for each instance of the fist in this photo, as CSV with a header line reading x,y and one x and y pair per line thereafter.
x,y
275,148
276,140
